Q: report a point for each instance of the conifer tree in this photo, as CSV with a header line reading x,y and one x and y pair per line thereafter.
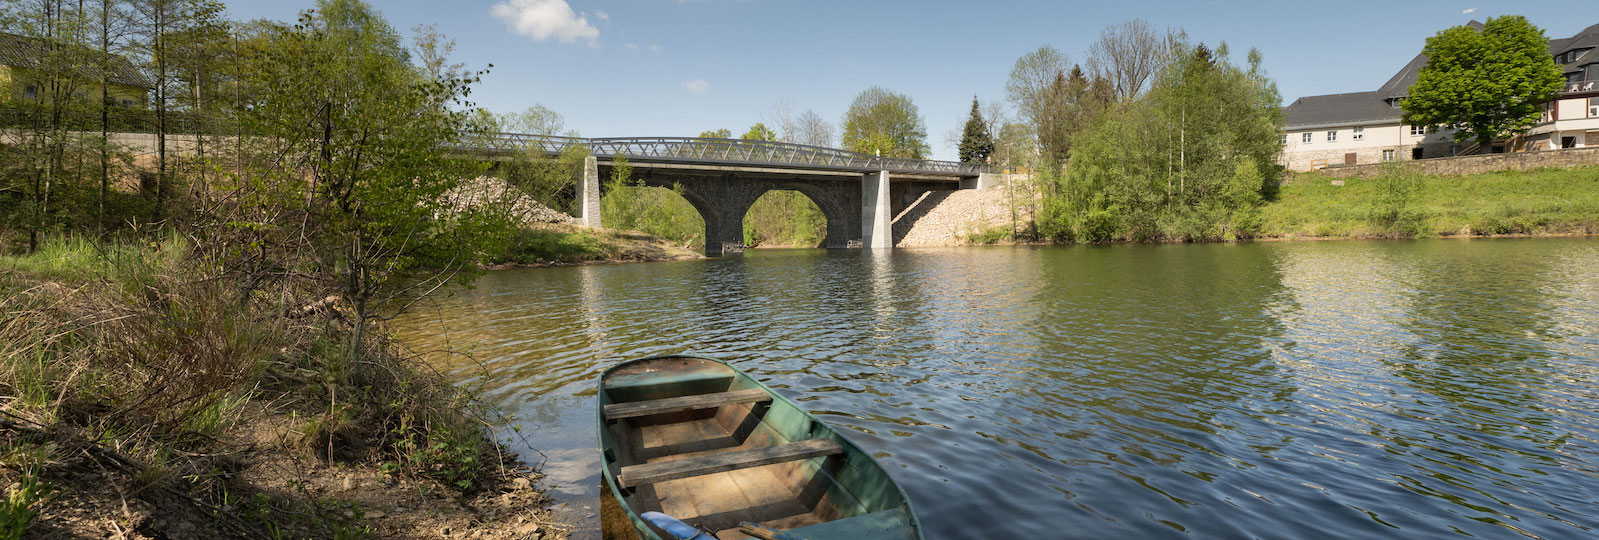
x,y
976,143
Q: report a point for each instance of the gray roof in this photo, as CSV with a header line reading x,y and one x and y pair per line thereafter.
x,y
1335,109
26,52
1368,107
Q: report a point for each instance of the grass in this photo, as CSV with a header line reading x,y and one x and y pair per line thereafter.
x,y
1544,201
150,353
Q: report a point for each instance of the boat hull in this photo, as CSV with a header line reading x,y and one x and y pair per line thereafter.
x,y
703,442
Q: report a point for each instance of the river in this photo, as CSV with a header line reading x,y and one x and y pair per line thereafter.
x,y
1416,389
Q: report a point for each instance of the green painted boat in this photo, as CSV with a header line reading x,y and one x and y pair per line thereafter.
x,y
701,441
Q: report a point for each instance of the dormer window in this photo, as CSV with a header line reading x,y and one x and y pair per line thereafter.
x,y
30,92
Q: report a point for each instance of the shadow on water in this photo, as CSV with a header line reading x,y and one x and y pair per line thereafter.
x,y
1354,389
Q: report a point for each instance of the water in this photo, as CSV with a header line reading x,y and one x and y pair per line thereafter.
x,y
1426,389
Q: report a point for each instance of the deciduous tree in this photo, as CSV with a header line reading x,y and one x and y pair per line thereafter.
x,y
886,123
1489,84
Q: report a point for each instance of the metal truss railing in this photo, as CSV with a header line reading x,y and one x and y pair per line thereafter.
x,y
724,152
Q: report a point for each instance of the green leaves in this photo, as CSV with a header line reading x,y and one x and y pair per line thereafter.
x,y
886,123
1489,84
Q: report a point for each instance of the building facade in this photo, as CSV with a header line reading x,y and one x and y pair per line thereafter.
x,y
1365,127
20,57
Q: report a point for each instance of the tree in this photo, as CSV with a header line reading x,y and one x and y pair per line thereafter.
x,y
885,123
976,141
723,133
1190,159
1128,54
350,141
535,120
1488,84
759,132
1036,89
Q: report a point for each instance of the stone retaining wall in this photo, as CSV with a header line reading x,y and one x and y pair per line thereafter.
x,y
1464,165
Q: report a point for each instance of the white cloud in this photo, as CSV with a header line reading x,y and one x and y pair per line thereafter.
x,y
632,46
697,86
1468,11
601,15
546,19
655,48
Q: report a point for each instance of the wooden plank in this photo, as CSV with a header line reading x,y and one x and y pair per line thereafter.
x,y
649,473
684,403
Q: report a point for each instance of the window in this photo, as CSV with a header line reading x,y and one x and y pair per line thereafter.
x,y
1417,131
30,92
1332,136
127,102
1593,107
1360,133
1388,155
1282,139
1305,138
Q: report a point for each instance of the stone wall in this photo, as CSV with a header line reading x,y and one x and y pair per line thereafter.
x,y
946,217
1463,165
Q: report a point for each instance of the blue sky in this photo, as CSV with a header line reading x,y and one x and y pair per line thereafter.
x,y
678,67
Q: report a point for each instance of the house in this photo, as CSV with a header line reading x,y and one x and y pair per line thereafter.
x,y
1365,127
20,57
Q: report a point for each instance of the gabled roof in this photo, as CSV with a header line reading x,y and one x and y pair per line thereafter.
x,y
1339,109
27,52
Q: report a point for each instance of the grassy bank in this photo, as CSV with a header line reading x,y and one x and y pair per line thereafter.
x,y
149,395
1539,202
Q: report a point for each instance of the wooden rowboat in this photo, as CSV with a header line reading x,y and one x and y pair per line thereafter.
x,y
702,442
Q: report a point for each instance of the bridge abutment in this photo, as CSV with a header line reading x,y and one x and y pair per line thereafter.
x,y
588,194
877,214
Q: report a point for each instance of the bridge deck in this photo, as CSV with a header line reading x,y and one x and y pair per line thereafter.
x,y
706,151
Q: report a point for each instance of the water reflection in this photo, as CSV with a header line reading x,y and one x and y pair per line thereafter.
x,y
1416,389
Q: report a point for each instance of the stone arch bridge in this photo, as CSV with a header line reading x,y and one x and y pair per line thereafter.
x,y
858,193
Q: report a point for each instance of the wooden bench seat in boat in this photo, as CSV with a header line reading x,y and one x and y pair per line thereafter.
x,y
661,471
684,403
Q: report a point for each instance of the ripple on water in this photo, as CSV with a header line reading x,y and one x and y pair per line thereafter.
x,y
1357,389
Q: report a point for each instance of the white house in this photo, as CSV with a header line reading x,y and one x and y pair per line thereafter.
x,y
1365,127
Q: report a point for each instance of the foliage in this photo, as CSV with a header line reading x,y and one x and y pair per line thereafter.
x,y
367,175
550,180
882,122
1129,54
1489,84
784,218
1187,161
535,120
723,133
759,132
1391,209
976,142
1056,102
658,211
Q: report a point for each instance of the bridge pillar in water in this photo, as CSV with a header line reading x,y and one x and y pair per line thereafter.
x,y
588,194
877,215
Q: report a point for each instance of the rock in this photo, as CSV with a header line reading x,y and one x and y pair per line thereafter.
x,y
375,514
530,530
521,484
349,483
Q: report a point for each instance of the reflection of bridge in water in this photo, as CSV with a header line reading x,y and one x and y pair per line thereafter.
x,y
723,177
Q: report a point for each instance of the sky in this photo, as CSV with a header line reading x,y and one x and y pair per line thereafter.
x,y
644,68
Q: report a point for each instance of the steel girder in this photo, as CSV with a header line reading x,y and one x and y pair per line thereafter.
x,y
722,152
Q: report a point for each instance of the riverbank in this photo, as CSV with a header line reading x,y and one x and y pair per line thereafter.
x,y
1543,202
148,396
1396,204
562,244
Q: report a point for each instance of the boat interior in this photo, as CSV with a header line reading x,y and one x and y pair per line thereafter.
x,y
700,442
